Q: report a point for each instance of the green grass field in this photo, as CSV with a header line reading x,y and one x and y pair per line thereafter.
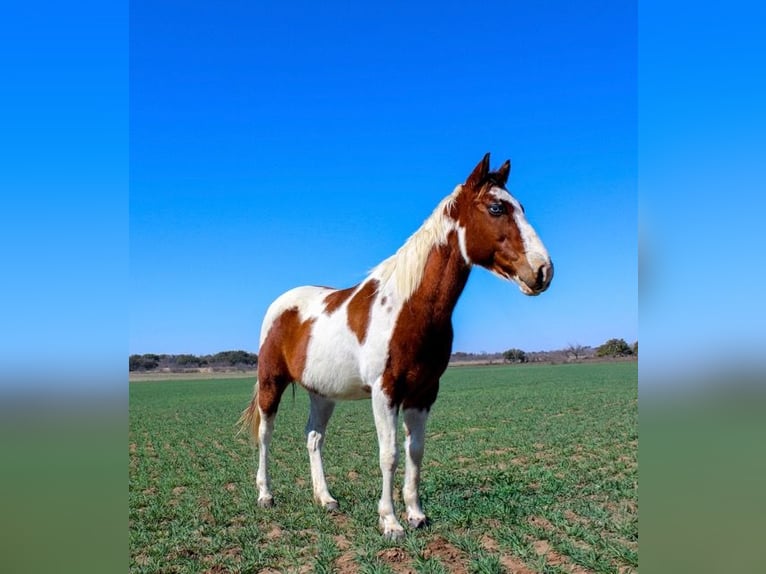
x,y
527,469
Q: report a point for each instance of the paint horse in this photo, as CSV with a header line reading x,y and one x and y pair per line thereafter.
x,y
390,337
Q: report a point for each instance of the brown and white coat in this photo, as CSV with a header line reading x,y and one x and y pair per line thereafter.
x,y
390,337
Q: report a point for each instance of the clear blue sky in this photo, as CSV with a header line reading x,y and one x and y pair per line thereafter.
x,y
291,144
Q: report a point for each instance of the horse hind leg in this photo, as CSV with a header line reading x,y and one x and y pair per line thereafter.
x,y
267,396
319,415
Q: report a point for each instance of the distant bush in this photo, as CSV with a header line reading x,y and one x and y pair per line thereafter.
x,y
515,356
614,348
143,362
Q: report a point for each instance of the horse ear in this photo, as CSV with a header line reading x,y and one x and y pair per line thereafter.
x,y
479,173
503,172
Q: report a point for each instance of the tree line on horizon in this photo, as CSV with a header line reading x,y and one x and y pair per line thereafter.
x,y
612,348
223,360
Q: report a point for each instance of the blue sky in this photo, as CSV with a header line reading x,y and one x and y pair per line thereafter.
x,y
276,146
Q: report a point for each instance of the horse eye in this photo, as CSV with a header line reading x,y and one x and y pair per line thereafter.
x,y
496,209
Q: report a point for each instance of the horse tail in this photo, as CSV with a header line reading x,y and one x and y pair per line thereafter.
x,y
251,417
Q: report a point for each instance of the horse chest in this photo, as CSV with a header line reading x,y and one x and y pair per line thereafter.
x,y
417,358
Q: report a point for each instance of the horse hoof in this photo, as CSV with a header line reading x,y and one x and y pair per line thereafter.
x,y
418,522
266,502
331,506
394,535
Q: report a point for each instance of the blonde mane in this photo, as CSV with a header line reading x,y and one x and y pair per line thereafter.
x,y
404,269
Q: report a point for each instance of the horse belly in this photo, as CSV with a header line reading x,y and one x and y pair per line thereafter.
x,y
332,361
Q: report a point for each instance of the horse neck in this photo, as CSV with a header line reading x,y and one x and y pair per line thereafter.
x,y
444,277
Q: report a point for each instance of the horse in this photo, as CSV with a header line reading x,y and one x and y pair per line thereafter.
x,y
389,338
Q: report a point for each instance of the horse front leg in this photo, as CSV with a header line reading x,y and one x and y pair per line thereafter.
x,y
414,442
385,424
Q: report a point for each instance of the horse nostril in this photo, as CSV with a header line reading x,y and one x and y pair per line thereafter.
x,y
544,275
540,277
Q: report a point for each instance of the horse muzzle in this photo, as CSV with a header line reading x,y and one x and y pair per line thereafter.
x,y
533,281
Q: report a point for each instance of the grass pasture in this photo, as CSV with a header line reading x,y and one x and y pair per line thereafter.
x,y
527,469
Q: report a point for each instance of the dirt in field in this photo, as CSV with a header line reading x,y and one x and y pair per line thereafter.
x,y
572,516
233,455
274,533
233,554
554,558
541,522
142,559
514,565
498,451
489,544
398,560
345,564
182,553
205,514
340,520
341,542
452,559
546,456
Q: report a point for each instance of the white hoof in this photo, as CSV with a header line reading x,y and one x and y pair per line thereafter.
x,y
417,521
391,530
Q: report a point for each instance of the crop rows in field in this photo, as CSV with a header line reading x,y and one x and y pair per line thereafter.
x,y
527,469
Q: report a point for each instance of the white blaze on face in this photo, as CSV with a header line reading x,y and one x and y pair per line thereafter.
x,y
534,249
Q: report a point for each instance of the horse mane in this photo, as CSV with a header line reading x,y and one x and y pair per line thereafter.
x,y
404,269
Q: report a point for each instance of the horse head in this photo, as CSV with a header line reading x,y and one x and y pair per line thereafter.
x,y
494,232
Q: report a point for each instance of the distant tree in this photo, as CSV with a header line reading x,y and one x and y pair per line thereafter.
x,y
614,348
515,356
233,358
634,348
186,360
143,362
577,351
